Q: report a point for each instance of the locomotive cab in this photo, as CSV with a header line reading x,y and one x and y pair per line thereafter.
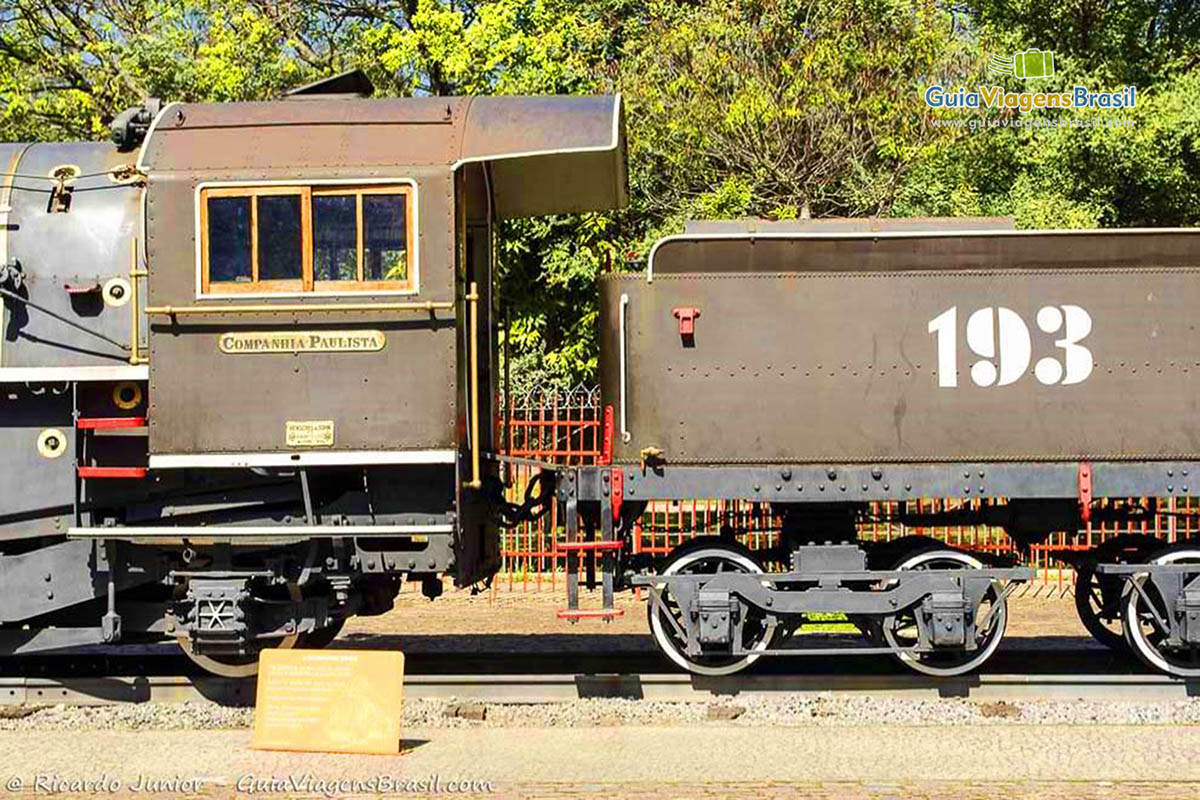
x,y
311,400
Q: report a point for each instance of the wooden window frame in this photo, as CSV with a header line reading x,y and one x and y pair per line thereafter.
x,y
306,284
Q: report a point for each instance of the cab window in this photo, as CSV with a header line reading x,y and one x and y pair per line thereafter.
x,y
306,239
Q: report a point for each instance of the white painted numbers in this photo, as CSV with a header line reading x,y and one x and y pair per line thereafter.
x,y
1001,340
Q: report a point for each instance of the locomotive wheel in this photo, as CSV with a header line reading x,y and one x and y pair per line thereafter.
x,y
900,630
1099,599
1145,612
321,637
884,556
230,666
707,559
240,666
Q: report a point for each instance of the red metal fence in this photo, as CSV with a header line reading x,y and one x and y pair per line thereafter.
x,y
565,427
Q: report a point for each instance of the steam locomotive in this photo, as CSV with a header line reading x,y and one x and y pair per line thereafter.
x,y
250,373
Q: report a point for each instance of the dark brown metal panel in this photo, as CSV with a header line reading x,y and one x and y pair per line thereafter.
x,y
501,126
314,134
204,400
195,136
544,154
847,225
834,367
549,155
692,253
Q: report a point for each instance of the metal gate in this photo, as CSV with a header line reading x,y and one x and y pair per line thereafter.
x,y
565,427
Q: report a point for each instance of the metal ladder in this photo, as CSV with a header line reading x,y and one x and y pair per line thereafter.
x,y
85,428
587,546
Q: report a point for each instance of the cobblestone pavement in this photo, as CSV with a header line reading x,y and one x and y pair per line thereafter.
x,y
918,790
766,790
656,762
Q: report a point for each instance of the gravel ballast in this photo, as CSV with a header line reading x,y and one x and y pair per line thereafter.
x,y
781,710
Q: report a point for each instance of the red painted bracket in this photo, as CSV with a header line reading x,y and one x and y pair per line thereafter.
x,y
1085,491
112,472
618,493
109,423
606,445
687,319
590,613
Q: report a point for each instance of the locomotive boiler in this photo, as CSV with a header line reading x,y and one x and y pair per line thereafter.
x,y
249,360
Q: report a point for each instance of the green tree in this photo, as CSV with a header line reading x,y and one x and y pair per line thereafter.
x,y
782,107
67,67
774,108
1086,170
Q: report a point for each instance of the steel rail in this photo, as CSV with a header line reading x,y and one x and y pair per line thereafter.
x,y
651,687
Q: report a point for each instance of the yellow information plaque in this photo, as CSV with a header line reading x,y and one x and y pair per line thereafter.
x,y
329,701
309,433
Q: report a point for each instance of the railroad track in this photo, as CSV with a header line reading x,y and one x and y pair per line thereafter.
x,y
662,687
157,675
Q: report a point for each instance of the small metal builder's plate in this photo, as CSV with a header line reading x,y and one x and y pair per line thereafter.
x,y
310,433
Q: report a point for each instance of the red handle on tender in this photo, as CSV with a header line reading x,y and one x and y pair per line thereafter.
x,y
1085,491
687,319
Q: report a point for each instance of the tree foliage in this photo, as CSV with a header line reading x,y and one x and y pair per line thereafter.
x,y
776,108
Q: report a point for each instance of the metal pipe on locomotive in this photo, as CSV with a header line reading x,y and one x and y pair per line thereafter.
x,y
295,412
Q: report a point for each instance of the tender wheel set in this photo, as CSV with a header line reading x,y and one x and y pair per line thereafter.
x,y
713,610
1160,608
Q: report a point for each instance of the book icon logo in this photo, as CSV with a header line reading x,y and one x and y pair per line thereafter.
x,y
1024,65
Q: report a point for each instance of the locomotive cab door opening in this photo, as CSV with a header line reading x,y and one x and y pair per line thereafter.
x,y
478,550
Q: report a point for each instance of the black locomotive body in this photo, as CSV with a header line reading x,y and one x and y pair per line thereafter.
x,y
249,360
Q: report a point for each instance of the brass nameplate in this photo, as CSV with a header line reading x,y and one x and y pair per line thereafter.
x,y
333,701
310,433
302,342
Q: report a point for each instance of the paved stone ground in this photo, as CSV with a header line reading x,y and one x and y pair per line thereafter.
x,y
768,790
656,762
908,790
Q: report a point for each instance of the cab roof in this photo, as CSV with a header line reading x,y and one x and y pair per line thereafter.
x,y
546,155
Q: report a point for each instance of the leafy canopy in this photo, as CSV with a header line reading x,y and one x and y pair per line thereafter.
x,y
775,108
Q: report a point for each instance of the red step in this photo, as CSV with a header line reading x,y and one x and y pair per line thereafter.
x,y
590,613
112,472
109,423
615,544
